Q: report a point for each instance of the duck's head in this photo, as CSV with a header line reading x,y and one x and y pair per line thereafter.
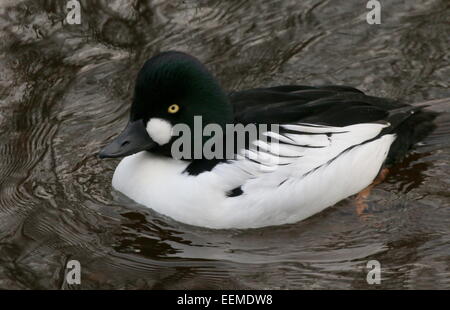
x,y
171,88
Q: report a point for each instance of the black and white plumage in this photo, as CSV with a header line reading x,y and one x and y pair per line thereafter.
x,y
331,143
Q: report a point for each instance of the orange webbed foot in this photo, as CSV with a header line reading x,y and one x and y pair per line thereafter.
x,y
362,196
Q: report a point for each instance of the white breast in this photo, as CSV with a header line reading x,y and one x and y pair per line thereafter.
x,y
159,183
347,161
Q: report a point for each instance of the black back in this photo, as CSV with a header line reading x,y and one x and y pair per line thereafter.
x,y
333,106
328,105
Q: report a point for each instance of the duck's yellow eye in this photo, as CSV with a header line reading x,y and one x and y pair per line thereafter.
x,y
174,108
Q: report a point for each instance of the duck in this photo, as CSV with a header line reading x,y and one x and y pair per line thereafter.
x,y
332,142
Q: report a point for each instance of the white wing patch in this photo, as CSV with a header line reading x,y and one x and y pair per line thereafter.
x,y
313,168
298,150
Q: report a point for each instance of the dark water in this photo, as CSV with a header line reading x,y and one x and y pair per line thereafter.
x,y
66,89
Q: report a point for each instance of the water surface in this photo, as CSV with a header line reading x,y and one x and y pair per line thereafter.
x,y
65,90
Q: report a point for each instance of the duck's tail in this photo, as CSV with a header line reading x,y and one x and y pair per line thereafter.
x,y
428,128
439,136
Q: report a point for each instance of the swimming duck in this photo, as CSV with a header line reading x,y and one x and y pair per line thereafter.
x,y
332,142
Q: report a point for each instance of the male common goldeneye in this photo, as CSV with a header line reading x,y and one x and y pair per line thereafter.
x,y
332,141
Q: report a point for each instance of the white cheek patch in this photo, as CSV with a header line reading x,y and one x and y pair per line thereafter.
x,y
159,130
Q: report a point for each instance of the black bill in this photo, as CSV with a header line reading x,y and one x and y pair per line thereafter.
x,y
132,140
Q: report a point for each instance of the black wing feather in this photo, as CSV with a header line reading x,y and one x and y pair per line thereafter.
x,y
333,106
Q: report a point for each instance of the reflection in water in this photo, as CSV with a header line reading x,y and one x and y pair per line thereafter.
x,y
65,91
